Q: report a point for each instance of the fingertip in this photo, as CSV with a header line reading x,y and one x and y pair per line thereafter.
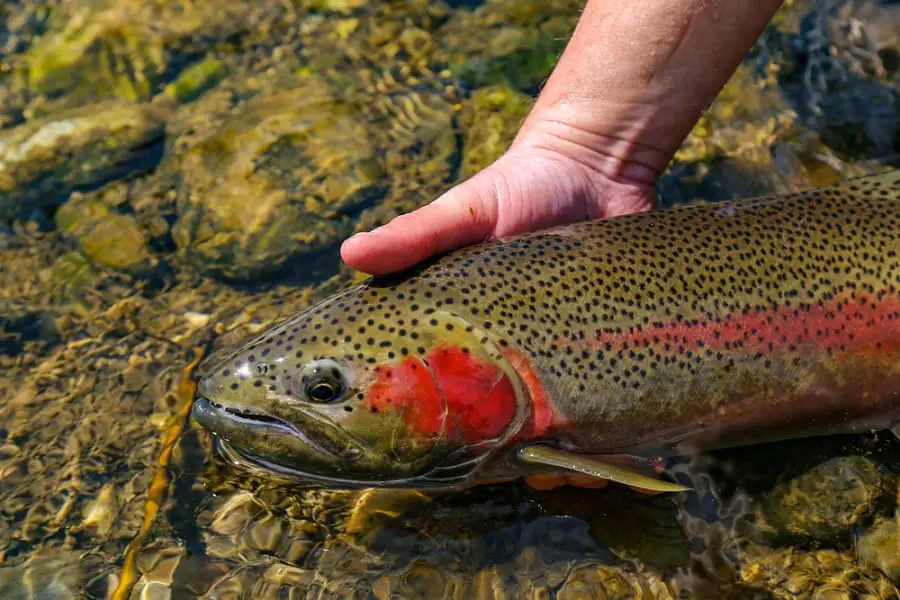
x,y
350,249
368,252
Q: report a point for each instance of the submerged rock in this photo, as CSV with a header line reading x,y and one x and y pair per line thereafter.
x,y
836,80
43,578
879,546
283,178
822,504
41,162
104,49
719,179
107,237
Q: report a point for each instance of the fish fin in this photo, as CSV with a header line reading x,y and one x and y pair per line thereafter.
x,y
604,467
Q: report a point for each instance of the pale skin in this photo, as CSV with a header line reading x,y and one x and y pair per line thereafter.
x,y
631,84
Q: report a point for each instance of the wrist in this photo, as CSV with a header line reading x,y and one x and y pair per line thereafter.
x,y
614,142
633,81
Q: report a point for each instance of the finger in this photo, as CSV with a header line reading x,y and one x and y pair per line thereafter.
x,y
462,216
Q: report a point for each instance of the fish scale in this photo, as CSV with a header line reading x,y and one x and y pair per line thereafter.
x,y
682,329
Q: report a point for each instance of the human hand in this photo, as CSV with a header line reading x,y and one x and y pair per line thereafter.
x,y
529,188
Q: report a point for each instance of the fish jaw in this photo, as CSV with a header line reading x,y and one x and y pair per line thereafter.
x,y
259,431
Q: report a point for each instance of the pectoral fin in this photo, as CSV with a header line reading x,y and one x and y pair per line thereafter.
x,y
595,467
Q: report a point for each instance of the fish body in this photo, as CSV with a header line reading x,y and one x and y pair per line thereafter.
x,y
652,334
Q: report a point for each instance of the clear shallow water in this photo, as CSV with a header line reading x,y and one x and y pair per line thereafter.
x,y
133,137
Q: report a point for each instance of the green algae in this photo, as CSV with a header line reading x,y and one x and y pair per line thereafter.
x,y
72,275
196,79
490,120
341,7
525,67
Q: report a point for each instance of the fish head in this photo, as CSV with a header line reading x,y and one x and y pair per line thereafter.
x,y
368,389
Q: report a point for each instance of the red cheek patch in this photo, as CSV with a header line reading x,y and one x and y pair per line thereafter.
x,y
481,400
409,389
464,397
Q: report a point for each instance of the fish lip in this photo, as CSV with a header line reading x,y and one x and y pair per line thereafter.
x,y
207,412
246,416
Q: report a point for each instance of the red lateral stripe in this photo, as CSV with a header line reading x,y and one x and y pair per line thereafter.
x,y
841,325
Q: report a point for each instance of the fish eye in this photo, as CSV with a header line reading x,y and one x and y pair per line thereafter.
x,y
321,381
321,391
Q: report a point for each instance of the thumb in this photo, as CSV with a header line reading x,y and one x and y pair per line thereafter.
x,y
464,215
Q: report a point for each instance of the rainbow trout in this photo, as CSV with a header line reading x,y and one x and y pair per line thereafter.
x,y
591,348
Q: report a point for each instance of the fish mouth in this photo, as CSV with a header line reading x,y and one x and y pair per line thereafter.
x,y
320,445
204,408
246,416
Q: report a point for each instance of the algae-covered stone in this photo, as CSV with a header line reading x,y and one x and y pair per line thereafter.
x,y
103,49
879,546
108,238
41,162
120,226
284,177
821,504
490,120
763,132
516,43
525,62
96,50
817,574
748,115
